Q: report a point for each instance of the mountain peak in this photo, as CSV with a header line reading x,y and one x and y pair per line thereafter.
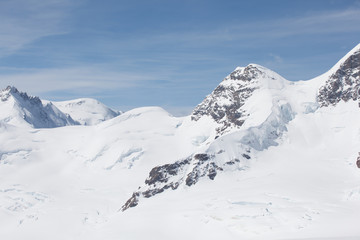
x,y
87,111
18,108
14,92
6,92
10,89
249,73
225,103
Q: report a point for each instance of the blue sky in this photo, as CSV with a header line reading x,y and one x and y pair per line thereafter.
x,y
166,53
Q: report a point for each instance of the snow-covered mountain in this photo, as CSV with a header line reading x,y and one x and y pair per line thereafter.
x,y
260,158
236,99
86,111
18,108
233,104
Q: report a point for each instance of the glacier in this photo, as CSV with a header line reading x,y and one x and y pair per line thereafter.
x,y
260,158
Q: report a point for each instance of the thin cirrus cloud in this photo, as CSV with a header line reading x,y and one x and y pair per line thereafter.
x,y
24,21
79,79
316,23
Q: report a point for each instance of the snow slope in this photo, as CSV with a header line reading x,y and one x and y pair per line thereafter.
x,y
20,109
86,111
274,163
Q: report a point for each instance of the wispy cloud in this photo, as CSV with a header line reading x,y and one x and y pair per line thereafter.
x,y
90,79
330,22
315,23
24,21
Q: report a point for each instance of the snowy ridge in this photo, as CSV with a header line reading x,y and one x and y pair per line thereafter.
x,y
344,82
86,111
19,108
325,76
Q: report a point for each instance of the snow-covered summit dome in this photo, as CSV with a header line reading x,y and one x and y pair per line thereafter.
x,y
87,111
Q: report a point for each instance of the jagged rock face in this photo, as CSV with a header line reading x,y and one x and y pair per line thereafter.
x,y
9,91
224,104
187,172
344,84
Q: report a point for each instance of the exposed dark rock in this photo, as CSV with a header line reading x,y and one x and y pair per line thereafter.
x,y
230,114
152,192
200,170
246,156
344,84
157,182
192,177
202,157
212,167
171,176
161,174
230,163
220,151
132,202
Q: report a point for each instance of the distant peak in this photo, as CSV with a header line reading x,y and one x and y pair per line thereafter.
x,y
10,89
244,73
7,92
13,91
251,66
252,72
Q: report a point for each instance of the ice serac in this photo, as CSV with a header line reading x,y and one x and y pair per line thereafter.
x,y
18,108
225,105
344,82
87,111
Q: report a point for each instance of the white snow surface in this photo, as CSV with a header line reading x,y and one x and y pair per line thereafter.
x,y
86,111
301,181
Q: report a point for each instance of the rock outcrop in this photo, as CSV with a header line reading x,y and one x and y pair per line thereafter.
x,y
225,105
344,84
